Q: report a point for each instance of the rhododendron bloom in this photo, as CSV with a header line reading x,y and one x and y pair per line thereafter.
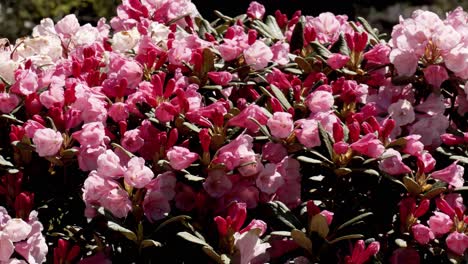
x,y
181,158
249,246
256,10
307,132
440,223
337,61
156,206
137,174
269,179
369,145
8,102
117,202
251,111
422,233
280,124
457,242
48,142
402,112
258,55
319,101
217,183
452,175
393,165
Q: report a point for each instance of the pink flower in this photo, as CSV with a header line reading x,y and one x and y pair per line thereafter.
x,y
54,96
280,124
413,145
26,82
6,247
427,161
422,233
17,229
361,254
217,183
269,179
435,75
440,223
394,164
258,55
117,202
180,157
132,141
256,10
249,247
430,137
67,26
251,111
369,145
405,62
137,174
274,152
402,112
118,112
452,175
164,183
280,52
156,206
91,135
319,101
220,78
8,102
231,154
378,54
48,142
307,132
95,188
87,157
457,242
337,61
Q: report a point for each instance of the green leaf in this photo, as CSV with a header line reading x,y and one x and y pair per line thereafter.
x,y
318,224
275,30
326,139
4,162
461,159
124,231
354,220
303,64
150,243
368,28
367,171
297,37
412,186
309,160
434,192
194,178
302,240
208,61
320,49
179,218
283,214
280,96
263,128
353,236
214,255
192,127
191,238
23,146
340,46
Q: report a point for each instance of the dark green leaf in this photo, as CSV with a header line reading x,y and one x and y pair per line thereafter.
x,y
297,37
191,238
320,49
124,231
353,236
353,220
149,243
280,96
326,139
340,46
309,160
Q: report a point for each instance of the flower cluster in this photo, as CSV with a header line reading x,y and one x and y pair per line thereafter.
x,y
160,132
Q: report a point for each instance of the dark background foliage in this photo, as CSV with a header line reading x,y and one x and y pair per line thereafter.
x,y
18,17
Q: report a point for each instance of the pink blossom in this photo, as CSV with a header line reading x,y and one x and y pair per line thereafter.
x,y
413,145
6,247
251,111
426,159
402,112
326,25
289,193
440,223
230,155
378,54
117,202
132,141
452,175
435,75
369,145
394,164
48,142
180,157
274,152
280,124
108,165
67,26
433,105
17,229
280,52
95,188
217,183
220,78
87,157
249,165
52,97
156,206
249,247
118,112
457,242
137,174
430,137
164,183
256,10
8,102
26,82
91,135
307,132
269,179
258,55
230,49
422,233
337,61
319,101
456,59
455,200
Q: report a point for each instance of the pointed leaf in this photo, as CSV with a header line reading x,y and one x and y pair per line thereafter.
x,y
309,160
124,231
340,46
412,186
353,220
353,236
320,50
191,238
150,243
302,240
297,37
280,96
318,224
326,139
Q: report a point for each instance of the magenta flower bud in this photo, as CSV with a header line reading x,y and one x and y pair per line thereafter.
x,y
338,133
252,36
452,140
237,212
367,128
445,207
24,203
387,128
422,208
220,78
173,136
340,147
360,41
354,131
221,224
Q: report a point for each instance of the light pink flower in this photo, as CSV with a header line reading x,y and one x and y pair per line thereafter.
x,y
280,124
48,142
87,157
8,102
249,247
258,55
319,101
269,179
137,174
180,157
394,164
457,242
6,247
430,137
108,165
440,223
156,206
231,154
452,175
164,183
337,61
217,183
118,112
307,132
402,112
280,52
435,75
132,141
220,78
413,145
422,233
369,145
256,10
17,229
67,26
251,111
91,135
274,152
26,82
117,202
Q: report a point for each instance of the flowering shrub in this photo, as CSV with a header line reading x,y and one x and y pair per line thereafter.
x,y
250,139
